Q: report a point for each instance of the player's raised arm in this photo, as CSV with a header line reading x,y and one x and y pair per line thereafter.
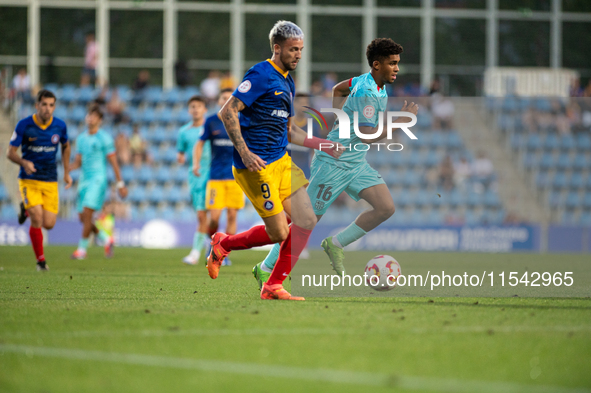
x,y
197,153
340,91
229,116
299,137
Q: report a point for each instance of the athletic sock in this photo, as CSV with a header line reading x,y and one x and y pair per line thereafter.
x,y
83,244
37,242
255,237
104,237
198,240
271,259
350,234
289,253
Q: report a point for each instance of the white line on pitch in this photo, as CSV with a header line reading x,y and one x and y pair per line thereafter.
x,y
300,373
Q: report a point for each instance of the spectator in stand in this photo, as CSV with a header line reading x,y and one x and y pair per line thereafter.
x,y
116,107
21,85
443,110
210,86
122,149
317,89
142,81
329,80
90,60
182,73
482,172
462,173
138,147
228,81
446,174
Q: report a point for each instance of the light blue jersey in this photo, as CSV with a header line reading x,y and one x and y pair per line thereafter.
x,y
92,187
368,100
187,137
94,149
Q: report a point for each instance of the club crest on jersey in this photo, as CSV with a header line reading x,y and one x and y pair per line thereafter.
x,y
268,205
319,205
369,111
55,138
244,86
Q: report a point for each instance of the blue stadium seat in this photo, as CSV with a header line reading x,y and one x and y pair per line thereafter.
x,y
167,213
568,218
3,194
534,142
53,87
179,174
146,116
86,94
8,212
401,200
585,219
560,181
61,112
149,213
492,200
169,155
572,200
172,96
517,140
580,162
588,182
576,181
411,178
162,175
530,160
455,198
563,162
155,195
137,194
551,142
471,218
392,178
153,94
67,94
454,141
543,104
186,214
438,139
584,142
567,143
127,173
434,217
542,180
77,114
587,201
165,115
144,174
547,161
187,93
182,116
555,199
174,195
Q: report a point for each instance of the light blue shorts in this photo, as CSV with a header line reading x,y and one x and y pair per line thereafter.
x,y
328,180
91,194
197,188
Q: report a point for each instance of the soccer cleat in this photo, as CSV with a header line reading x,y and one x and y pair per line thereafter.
x,y
109,245
79,255
227,262
277,292
42,266
192,258
22,215
260,275
217,254
335,254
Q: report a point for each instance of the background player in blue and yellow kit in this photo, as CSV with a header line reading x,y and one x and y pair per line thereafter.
x,y
189,134
366,95
262,167
38,136
94,148
222,190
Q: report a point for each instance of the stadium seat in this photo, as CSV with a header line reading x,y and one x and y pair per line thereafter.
x,y
534,142
172,96
8,212
568,218
86,94
573,200
567,143
584,142
137,194
67,94
559,181
551,142
149,213
563,162
580,162
77,114
144,174
153,94
555,199
587,201
547,161
167,213
576,181
155,195
3,194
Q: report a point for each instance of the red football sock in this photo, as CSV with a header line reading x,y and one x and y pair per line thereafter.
x,y
37,242
254,237
289,253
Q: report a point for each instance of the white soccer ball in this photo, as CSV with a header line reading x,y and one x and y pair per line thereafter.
x,y
381,272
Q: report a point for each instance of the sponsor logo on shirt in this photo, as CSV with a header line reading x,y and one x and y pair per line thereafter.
x,y
42,149
280,113
222,142
55,138
32,139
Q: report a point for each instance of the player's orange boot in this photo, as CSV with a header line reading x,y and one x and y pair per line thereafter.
x,y
216,255
276,291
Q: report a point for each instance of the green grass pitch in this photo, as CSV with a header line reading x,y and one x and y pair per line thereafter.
x,y
144,322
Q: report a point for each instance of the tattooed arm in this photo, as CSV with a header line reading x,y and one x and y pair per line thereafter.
x,y
229,116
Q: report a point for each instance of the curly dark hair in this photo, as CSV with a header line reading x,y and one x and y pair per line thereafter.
x,y
381,48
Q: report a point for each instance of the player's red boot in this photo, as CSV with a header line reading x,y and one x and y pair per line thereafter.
x,y
217,254
276,291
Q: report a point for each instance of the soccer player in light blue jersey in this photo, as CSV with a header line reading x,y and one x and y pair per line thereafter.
x,y
94,148
189,135
351,173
